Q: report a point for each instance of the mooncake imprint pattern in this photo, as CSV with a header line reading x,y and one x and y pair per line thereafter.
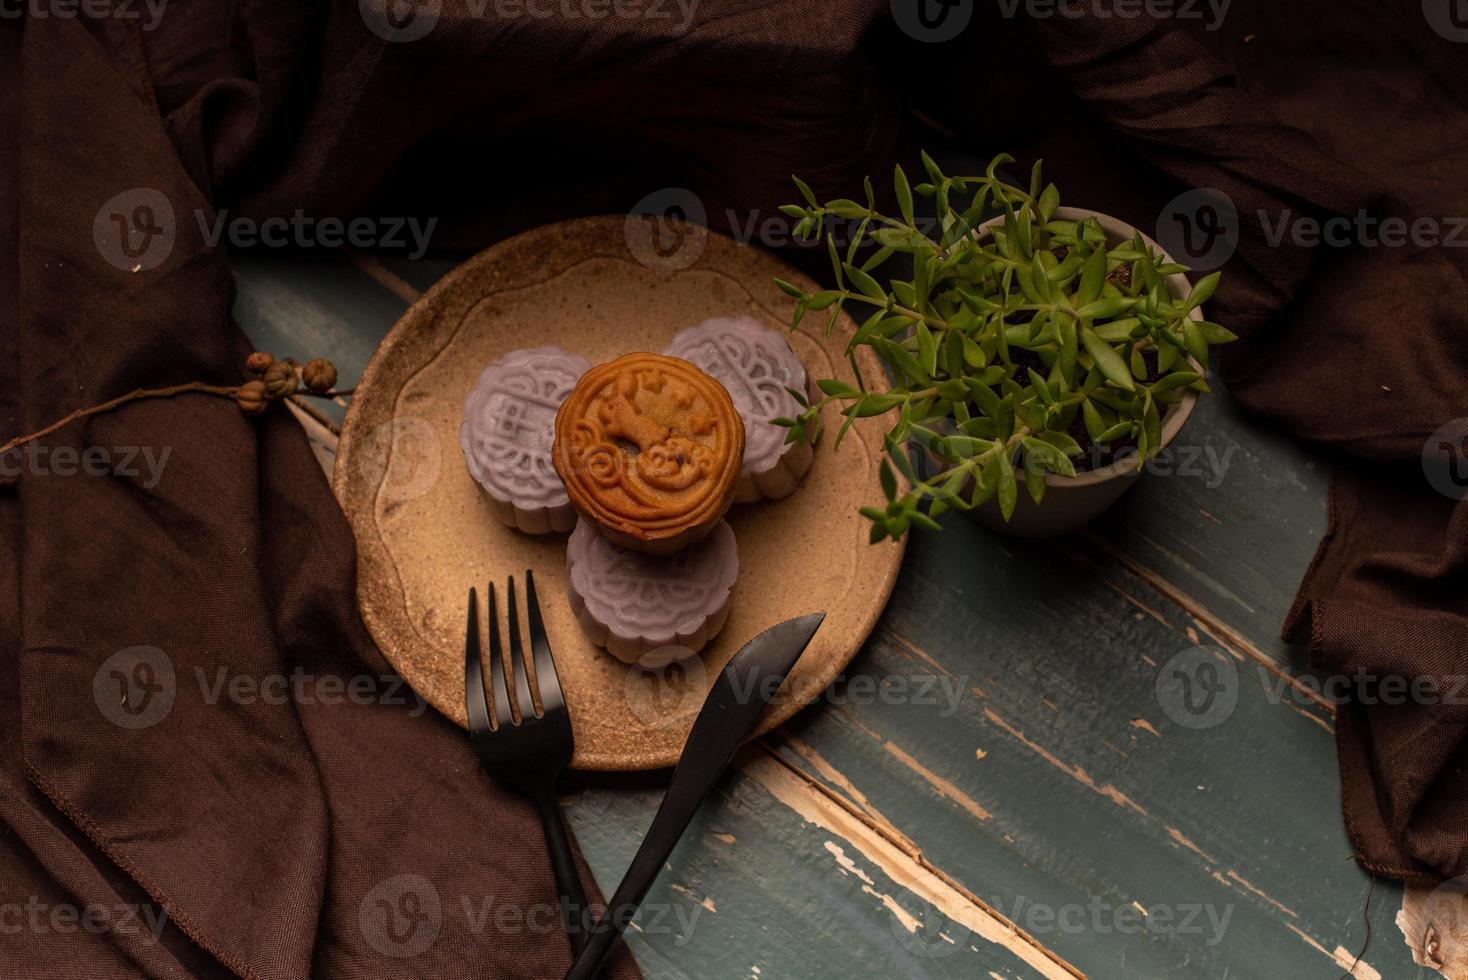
x,y
507,433
649,448
636,604
757,366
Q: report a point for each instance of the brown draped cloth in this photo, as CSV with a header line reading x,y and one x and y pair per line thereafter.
x,y
1308,110
318,835
322,837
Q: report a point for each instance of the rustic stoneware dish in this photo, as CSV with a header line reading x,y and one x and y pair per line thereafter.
x,y
599,287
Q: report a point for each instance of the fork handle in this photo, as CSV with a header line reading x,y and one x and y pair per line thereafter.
x,y
563,866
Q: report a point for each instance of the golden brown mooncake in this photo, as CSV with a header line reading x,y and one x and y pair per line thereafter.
x,y
649,449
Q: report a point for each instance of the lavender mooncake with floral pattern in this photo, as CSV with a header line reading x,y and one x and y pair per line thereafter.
x,y
646,609
506,434
757,366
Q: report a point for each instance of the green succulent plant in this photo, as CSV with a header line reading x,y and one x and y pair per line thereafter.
x,y
1027,348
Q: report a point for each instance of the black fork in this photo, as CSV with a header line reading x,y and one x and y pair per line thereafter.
x,y
519,747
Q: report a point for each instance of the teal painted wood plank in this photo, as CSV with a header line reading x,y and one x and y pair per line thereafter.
x,y
1060,778
770,896
322,306
1230,518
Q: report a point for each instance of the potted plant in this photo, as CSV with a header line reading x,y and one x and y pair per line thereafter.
x,y
1027,342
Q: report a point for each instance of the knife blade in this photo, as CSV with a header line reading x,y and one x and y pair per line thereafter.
x,y
734,705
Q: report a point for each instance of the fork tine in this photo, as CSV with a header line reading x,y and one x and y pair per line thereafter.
x,y
517,660
502,715
474,702
546,678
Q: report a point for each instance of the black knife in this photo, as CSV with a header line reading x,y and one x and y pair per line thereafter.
x,y
727,717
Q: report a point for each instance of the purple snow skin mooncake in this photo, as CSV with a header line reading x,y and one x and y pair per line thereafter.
x,y
757,366
651,610
509,424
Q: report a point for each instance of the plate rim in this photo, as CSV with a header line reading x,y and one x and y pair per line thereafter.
x,y
366,537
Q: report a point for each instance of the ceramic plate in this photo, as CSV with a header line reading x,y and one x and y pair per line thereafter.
x,y
600,287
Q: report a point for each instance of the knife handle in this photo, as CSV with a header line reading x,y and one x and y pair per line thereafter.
x,y
726,719
710,748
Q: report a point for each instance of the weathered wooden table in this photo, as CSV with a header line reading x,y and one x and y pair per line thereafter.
x,y
1088,757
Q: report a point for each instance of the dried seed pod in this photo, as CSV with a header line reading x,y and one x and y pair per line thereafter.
x,y
280,380
259,361
251,397
319,375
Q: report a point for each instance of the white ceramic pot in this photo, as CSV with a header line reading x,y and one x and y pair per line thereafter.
x,y
1073,502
